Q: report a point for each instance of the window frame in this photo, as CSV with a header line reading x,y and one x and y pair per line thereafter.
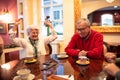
x,y
104,21
57,23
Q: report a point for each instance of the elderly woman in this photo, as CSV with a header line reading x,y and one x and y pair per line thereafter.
x,y
34,45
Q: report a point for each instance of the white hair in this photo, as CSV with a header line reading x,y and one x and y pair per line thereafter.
x,y
32,27
86,21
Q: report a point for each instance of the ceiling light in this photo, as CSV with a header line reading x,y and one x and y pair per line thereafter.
x,y
109,1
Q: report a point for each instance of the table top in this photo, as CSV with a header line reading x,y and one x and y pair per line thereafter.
x,y
66,66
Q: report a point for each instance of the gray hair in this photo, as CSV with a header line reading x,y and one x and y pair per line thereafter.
x,y
32,27
86,21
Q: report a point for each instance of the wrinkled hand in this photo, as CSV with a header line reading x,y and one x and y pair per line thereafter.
x,y
18,21
48,23
110,56
82,53
111,69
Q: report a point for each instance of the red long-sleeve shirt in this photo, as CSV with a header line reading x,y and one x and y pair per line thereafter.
x,y
93,44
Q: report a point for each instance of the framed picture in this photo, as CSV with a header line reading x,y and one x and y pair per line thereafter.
x,y
10,25
2,28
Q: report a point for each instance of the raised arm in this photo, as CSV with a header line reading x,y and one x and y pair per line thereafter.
x,y
12,35
13,31
53,35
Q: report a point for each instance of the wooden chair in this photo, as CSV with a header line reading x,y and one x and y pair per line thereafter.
x,y
1,49
48,48
106,48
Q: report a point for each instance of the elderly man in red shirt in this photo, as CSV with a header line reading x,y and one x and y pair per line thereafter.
x,y
86,42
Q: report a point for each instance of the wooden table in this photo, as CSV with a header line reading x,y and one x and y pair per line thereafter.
x,y
93,71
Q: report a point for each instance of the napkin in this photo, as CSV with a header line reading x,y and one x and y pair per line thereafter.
x,y
60,77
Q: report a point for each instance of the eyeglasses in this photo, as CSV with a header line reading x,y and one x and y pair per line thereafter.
x,y
81,29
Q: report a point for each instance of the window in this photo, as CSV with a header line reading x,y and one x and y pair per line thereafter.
x,y
56,15
107,20
54,10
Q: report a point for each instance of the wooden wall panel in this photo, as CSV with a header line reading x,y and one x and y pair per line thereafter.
x,y
77,10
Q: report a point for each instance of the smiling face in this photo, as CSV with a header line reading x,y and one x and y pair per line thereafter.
x,y
83,28
33,34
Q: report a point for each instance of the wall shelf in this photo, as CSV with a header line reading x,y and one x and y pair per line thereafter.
x,y
106,29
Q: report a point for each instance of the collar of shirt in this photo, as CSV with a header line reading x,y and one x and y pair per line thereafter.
x,y
85,38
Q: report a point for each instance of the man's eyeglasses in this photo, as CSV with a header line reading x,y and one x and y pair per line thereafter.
x,y
81,29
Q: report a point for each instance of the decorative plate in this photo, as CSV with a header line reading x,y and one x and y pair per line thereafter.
x,y
30,60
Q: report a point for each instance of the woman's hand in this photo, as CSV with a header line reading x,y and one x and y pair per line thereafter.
x,y
110,57
111,69
48,23
18,21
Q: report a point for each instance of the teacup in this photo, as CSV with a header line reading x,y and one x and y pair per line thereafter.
x,y
83,59
23,73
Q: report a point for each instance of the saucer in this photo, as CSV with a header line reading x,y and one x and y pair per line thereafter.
x,y
30,61
79,62
30,77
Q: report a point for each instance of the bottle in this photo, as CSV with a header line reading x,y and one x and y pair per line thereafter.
x,y
48,31
47,19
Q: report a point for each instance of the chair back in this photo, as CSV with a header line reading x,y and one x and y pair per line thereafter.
x,y
48,49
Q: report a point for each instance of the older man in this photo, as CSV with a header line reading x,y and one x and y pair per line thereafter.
x,y
86,42
34,45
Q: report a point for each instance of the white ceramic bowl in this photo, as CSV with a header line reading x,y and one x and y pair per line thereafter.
x,y
23,73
